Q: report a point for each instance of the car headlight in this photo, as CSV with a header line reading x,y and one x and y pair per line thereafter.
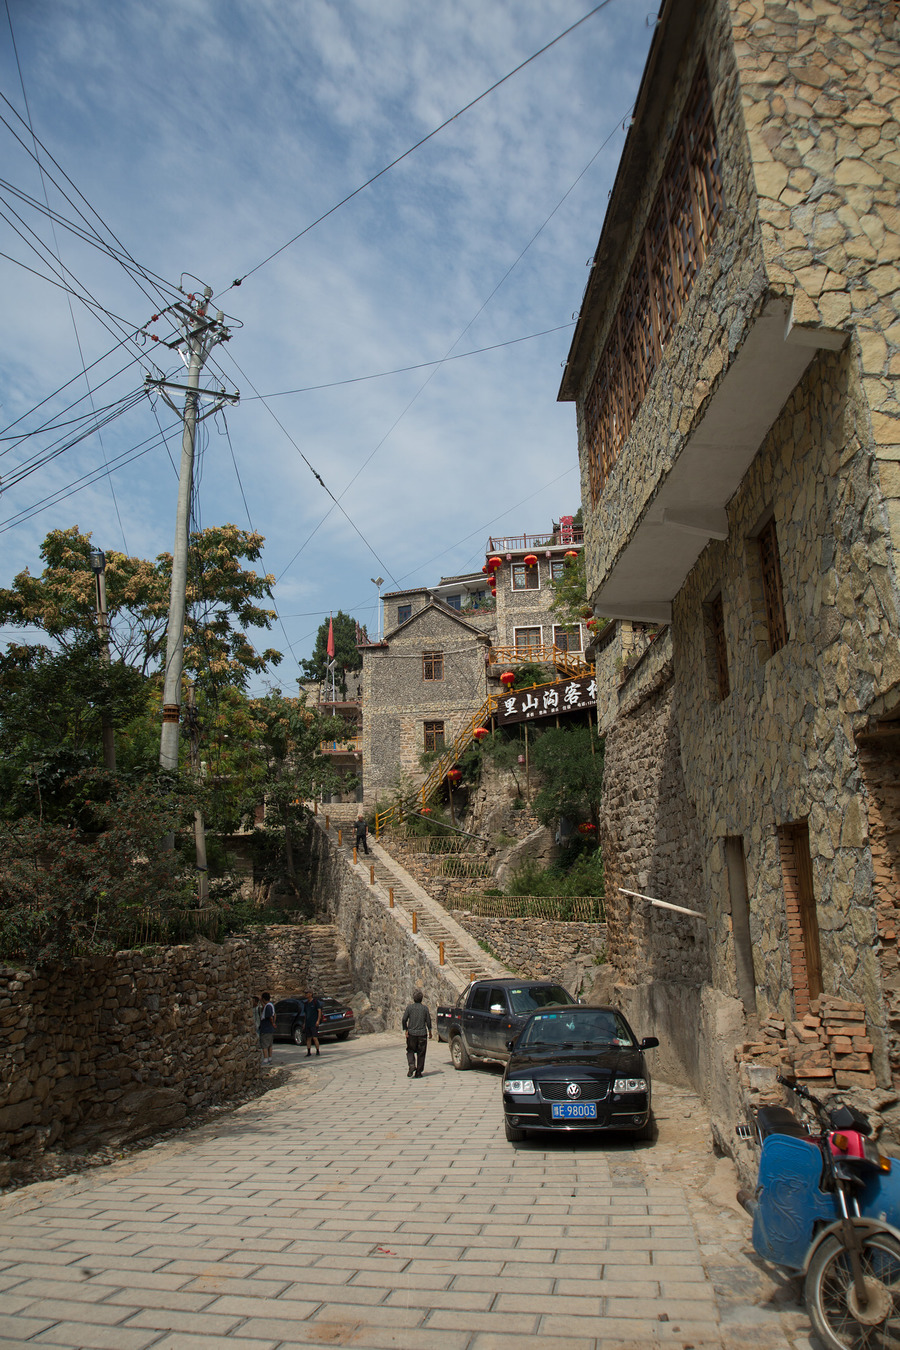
x,y
630,1085
523,1087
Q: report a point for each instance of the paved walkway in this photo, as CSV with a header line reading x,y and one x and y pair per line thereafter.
x,y
357,1207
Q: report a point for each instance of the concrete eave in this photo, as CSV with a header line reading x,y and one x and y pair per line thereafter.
x,y
688,508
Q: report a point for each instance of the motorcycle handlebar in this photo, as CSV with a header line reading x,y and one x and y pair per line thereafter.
x,y
801,1090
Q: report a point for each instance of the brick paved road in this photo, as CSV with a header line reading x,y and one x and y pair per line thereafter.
x,y
356,1207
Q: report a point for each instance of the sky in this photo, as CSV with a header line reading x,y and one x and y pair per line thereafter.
x,y
203,136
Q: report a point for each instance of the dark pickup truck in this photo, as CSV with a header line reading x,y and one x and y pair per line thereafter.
x,y
489,1013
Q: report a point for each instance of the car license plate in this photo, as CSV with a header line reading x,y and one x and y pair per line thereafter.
x,y
334,1017
574,1111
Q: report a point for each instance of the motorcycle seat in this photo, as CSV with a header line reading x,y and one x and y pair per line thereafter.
x,y
779,1120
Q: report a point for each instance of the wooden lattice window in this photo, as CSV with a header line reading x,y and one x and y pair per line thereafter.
x,y
567,639
434,735
525,578
773,594
802,921
682,221
432,665
527,638
715,614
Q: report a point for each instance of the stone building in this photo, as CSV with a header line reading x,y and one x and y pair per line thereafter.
x,y
735,373
445,646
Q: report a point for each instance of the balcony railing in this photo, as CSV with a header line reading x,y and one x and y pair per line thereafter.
x,y
344,745
569,663
515,543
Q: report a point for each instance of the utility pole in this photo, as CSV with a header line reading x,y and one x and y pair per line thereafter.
x,y
199,827
201,334
98,567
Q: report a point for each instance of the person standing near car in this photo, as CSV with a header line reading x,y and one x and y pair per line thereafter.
x,y
267,1028
312,1016
417,1025
362,830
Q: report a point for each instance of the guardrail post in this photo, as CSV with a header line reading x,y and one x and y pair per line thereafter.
x,y
315,808
354,855
391,896
371,874
340,837
472,977
441,952
327,822
415,919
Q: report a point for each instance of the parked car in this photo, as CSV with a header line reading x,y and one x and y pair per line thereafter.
x,y
489,1013
337,1020
577,1068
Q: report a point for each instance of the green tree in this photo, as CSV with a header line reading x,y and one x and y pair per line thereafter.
x,y
51,709
223,601
289,737
570,763
97,880
346,653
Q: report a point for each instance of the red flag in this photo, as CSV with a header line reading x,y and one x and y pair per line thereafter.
x,y
330,648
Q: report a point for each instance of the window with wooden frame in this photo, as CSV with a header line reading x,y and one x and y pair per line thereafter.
x,y
682,222
773,594
404,612
434,735
567,639
717,647
527,638
525,578
432,665
802,920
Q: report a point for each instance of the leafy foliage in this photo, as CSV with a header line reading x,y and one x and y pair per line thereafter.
x,y
346,653
222,602
529,673
578,871
570,763
87,884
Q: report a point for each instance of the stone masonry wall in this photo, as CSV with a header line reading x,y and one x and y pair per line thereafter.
x,y
781,747
820,93
542,949
879,762
388,960
649,840
113,1048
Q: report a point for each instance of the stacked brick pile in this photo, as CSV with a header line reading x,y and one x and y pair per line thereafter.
x,y
829,1047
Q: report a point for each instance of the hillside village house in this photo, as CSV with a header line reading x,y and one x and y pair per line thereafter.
x,y
445,646
735,373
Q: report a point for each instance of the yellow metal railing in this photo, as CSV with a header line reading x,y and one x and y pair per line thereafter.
x,y
438,770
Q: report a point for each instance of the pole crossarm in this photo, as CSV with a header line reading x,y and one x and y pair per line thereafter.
x,y
221,396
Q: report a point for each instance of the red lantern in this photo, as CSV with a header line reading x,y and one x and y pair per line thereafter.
x,y
480,732
484,569
590,623
586,827
426,811
507,678
454,775
494,563
530,560
570,553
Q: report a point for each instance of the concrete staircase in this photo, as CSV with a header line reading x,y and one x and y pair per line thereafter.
x,y
433,923
329,964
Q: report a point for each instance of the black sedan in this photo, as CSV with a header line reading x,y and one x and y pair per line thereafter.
x,y
337,1020
577,1068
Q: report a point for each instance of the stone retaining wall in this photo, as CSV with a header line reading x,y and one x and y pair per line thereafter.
x,y
388,960
539,948
113,1048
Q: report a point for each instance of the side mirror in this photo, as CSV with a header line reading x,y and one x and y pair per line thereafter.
x,y
510,1045
649,1043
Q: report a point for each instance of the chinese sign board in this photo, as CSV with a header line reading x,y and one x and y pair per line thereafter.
x,y
547,700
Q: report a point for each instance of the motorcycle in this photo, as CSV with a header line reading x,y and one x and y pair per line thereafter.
x,y
827,1205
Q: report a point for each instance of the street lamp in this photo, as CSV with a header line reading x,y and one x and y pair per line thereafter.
x,y
379,582
98,567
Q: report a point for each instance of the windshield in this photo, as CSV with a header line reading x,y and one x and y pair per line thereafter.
x,y
576,1026
526,999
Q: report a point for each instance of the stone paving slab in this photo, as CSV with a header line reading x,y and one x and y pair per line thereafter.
x,y
357,1207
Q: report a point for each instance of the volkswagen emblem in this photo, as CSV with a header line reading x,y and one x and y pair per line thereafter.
x,y
573,1090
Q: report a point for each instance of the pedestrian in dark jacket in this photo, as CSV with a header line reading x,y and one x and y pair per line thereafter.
x,y
362,830
417,1025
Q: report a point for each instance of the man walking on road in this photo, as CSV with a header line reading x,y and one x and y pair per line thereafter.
x,y
417,1025
361,832
312,1016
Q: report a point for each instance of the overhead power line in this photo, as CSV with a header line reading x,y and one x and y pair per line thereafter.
x,y
424,140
